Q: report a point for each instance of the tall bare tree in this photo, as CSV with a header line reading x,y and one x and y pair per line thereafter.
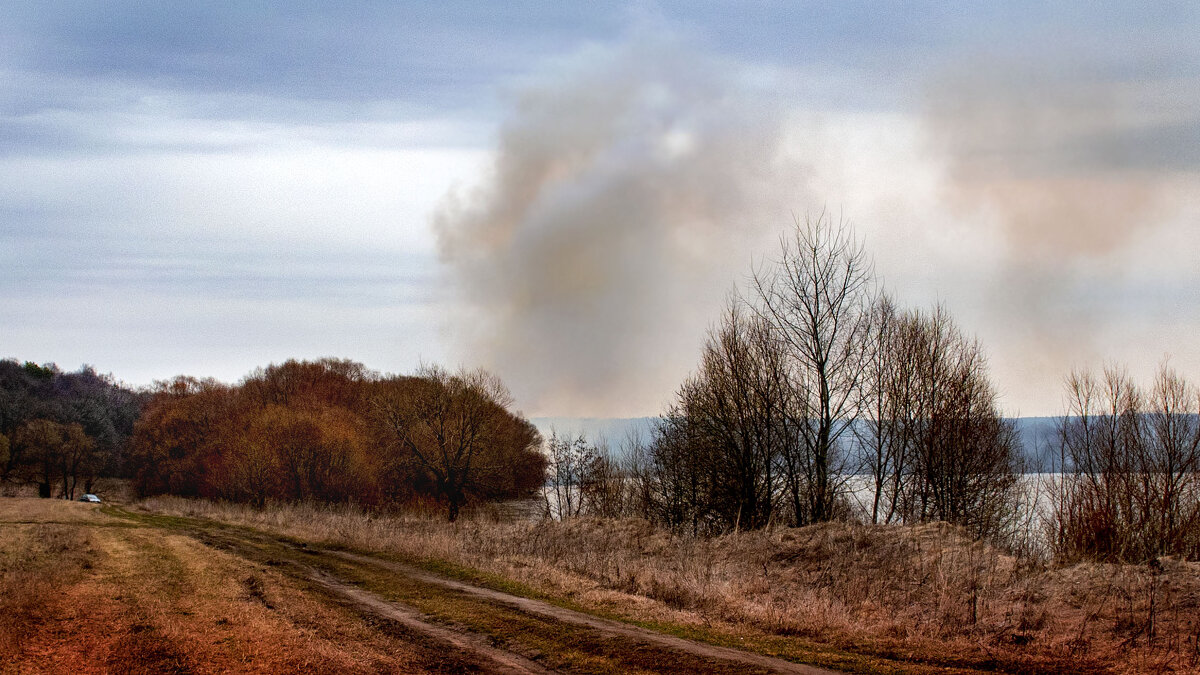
x,y
882,430
818,297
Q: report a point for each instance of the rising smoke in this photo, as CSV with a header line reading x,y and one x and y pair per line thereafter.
x,y
1074,165
629,190
1069,163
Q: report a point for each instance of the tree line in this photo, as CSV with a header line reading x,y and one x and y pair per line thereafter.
x,y
61,430
333,431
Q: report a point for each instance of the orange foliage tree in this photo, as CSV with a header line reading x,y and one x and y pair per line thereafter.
x,y
333,431
458,429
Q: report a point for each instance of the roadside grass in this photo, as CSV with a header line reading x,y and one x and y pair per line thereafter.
x,y
850,597
552,643
85,592
81,588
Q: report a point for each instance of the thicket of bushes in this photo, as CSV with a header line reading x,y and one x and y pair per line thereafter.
x,y
333,431
1133,454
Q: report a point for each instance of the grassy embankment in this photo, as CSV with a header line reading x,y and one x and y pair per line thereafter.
x,y
846,596
170,588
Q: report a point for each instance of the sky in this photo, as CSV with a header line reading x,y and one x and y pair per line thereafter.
x,y
567,193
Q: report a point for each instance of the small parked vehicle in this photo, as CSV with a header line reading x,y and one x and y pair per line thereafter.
x,y
93,499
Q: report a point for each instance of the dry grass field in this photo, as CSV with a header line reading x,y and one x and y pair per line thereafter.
x,y
916,598
183,586
87,589
84,592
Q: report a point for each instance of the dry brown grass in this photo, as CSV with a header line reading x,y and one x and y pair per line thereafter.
x,y
926,593
84,592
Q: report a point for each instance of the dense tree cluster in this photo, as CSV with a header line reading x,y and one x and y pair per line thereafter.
x,y
813,381
817,379
817,397
331,430
60,430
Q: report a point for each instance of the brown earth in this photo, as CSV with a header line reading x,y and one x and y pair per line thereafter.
x,y
101,590
845,596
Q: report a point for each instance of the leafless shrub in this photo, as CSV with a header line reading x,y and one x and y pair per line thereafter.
x,y
583,478
1131,489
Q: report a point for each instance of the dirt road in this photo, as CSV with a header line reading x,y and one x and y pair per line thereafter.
x,y
497,631
136,592
604,626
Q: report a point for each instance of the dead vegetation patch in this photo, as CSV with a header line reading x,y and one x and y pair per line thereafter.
x,y
78,597
924,594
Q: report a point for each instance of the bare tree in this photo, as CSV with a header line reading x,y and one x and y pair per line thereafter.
x,y
818,297
881,438
606,485
932,438
682,469
55,453
566,472
637,465
736,410
1131,484
1171,465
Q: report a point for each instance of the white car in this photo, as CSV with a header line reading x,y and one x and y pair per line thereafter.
x,y
90,498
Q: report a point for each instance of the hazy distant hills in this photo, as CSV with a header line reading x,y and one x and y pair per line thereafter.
x,y
613,430
1037,433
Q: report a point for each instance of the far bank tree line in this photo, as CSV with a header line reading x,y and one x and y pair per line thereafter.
x,y
332,431
60,431
815,378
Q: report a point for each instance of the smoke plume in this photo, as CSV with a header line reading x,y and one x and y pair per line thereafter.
x,y
1074,166
629,189
1069,164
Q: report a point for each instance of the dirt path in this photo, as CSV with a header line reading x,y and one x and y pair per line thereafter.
x,y
606,626
501,661
81,585
500,632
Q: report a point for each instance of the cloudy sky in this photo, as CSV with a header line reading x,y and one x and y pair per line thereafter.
x,y
565,193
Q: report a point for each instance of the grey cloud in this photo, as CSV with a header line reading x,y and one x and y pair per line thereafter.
x,y
64,267
443,52
1071,158
1172,146
1074,148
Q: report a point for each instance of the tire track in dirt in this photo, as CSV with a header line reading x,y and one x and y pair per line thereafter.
x,y
504,662
454,651
462,645
606,626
